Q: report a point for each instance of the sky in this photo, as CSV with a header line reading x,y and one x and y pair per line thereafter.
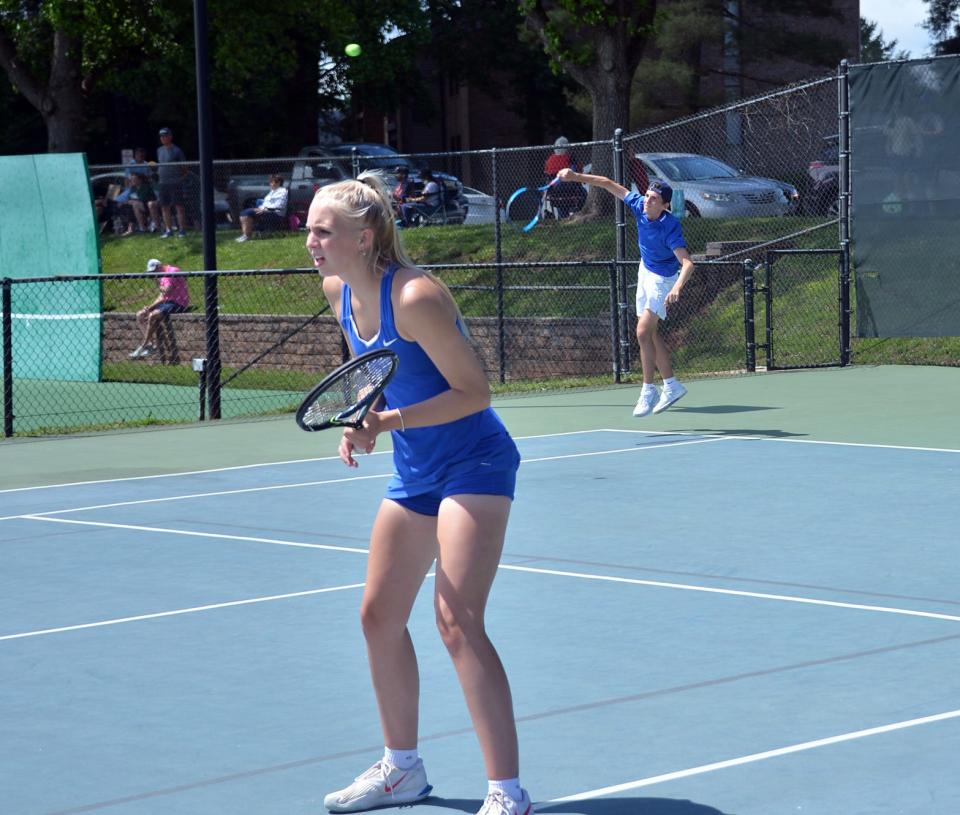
x,y
900,20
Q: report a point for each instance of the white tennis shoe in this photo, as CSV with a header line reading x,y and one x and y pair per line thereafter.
x,y
671,394
382,785
142,351
648,398
499,803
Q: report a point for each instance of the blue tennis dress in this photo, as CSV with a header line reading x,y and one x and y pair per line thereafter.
x,y
424,458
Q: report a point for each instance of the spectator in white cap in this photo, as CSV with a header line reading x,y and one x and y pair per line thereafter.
x,y
173,298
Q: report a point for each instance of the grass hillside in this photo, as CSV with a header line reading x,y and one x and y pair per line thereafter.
x,y
805,304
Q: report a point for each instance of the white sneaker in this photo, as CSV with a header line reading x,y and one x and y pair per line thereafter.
x,y
670,395
242,239
135,353
382,785
648,398
499,803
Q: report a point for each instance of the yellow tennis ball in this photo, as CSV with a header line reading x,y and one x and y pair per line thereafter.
x,y
352,50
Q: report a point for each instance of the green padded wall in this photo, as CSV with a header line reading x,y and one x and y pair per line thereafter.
x,y
47,228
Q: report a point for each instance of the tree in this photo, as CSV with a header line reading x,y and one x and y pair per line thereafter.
x,y
63,56
873,47
943,22
753,37
54,51
518,76
599,44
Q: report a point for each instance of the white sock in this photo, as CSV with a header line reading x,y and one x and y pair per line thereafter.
x,y
669,383
401,759
508,786
649,386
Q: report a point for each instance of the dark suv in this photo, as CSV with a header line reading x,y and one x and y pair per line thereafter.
x,y
349,160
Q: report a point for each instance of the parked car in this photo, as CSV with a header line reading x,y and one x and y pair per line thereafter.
x,y
822,195
309,174
319,165
481,207
354,158
713,189
369,156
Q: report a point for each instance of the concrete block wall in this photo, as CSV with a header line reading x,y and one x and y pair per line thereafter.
x,y
535,347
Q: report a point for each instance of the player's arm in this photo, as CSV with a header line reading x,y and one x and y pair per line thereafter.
x,y
608,184
686,269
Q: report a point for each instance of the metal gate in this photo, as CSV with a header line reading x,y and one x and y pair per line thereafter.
x,y
804,292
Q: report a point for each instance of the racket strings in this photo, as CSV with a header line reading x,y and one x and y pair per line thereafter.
x,y
346,395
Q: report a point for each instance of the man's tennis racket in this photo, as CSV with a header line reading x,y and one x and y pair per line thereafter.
x,y
345,396
527,205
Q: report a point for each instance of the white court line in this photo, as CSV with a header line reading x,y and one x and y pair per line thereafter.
x,y
192,534
790,441
345,479
170,475
517,438
736,762
139,501
784,598
211,607
254,466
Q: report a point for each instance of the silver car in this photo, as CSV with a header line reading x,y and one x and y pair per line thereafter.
x,y
481,207
713,189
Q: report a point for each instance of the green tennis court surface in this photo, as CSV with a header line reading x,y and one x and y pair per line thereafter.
x,y
871,405
68,406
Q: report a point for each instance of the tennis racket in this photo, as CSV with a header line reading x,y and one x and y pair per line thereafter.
x,y
345,396
527,204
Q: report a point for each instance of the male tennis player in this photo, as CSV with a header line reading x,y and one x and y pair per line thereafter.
x,y
665,266
455,469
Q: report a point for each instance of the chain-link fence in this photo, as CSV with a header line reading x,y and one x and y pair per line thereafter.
x,y
548,291
253,342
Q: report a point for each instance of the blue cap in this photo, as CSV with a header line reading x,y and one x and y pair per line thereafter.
x,y
661,188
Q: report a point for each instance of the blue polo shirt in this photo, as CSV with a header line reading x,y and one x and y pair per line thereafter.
x,y
657,239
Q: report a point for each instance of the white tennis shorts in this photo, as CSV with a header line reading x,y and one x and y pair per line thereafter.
x,y
652,291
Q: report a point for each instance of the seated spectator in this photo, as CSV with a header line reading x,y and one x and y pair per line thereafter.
x,y
564,197
270,215
558,159
107,209
139,205
404,188
140,165
423,205
172,299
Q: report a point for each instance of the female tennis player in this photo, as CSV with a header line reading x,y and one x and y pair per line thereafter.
x,y
665,266
455,468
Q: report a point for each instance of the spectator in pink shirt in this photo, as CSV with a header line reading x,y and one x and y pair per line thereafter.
x,y
172,299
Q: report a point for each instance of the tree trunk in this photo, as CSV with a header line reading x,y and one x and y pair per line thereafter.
x,y
63,102
610,94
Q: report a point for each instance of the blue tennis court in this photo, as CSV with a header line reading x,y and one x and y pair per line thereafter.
x,y
694,621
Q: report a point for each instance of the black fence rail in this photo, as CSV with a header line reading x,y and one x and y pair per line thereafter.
x,y
534,326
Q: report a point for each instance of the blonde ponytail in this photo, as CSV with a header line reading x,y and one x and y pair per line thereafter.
x,y
366,200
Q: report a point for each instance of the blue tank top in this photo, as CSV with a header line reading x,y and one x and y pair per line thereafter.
x,y
424,457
